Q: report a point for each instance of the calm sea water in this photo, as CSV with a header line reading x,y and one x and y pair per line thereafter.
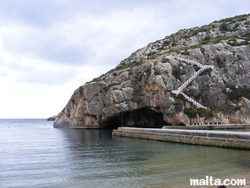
x,y
34,154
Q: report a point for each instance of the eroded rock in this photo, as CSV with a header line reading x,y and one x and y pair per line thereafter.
x,y
139,88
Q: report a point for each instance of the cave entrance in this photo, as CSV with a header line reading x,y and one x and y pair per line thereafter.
x,y
144,117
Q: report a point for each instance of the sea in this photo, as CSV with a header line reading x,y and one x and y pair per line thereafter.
x,y
34,154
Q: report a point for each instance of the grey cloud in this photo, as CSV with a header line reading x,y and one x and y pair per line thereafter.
x,y
46,12
79,33
70,56
50,76
45,46
64,43
3,73
38,13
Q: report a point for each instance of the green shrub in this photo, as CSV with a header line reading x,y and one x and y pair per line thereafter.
x,y
176,72
223,27
185,52
177,102
241,17
247,36
201,29
191,112
181,98
160,48
166,42
196,68
178,105
233,42
237,93
192,46
138,76
202,50
237,107
164,60
226,20
206,71
206,40
173,43
131,65
147,69
205,113
220,63
151,53
95,80
218,39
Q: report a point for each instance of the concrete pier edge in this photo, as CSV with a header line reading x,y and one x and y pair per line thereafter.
x,y
225,139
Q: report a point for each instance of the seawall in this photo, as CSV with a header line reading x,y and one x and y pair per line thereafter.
x,y
226,139
210,127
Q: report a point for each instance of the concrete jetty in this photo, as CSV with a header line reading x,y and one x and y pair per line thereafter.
x,y
210,127
226,139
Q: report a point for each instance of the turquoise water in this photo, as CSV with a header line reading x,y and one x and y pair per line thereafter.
x,y
34,154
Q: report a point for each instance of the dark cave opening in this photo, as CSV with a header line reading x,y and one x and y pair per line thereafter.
x,y
144,117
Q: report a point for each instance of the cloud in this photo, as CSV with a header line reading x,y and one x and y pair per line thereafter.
x,y
61,44
33,101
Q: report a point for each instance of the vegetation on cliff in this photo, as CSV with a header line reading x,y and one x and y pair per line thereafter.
x,y
140,86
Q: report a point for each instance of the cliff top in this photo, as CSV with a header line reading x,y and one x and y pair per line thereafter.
x,y
195,76
234,31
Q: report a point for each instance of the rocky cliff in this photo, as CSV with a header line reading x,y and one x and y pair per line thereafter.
x,y
167,82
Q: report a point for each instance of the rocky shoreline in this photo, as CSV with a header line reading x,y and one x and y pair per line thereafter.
x,y
52,118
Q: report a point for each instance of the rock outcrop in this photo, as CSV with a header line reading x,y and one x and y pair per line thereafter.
x,y
139,91
52,118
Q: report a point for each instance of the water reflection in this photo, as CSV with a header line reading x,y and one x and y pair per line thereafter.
x,y
85,137
98,159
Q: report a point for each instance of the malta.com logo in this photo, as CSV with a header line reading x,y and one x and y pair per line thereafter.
x,y
210,181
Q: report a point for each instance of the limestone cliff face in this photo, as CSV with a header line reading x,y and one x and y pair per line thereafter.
x,y
139,91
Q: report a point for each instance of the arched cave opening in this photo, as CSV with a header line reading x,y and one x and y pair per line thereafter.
x,y
143,117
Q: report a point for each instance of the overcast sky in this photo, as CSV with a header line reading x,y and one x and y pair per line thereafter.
x,y
50,47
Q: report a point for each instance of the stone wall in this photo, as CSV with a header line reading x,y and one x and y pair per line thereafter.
x,y
207,138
